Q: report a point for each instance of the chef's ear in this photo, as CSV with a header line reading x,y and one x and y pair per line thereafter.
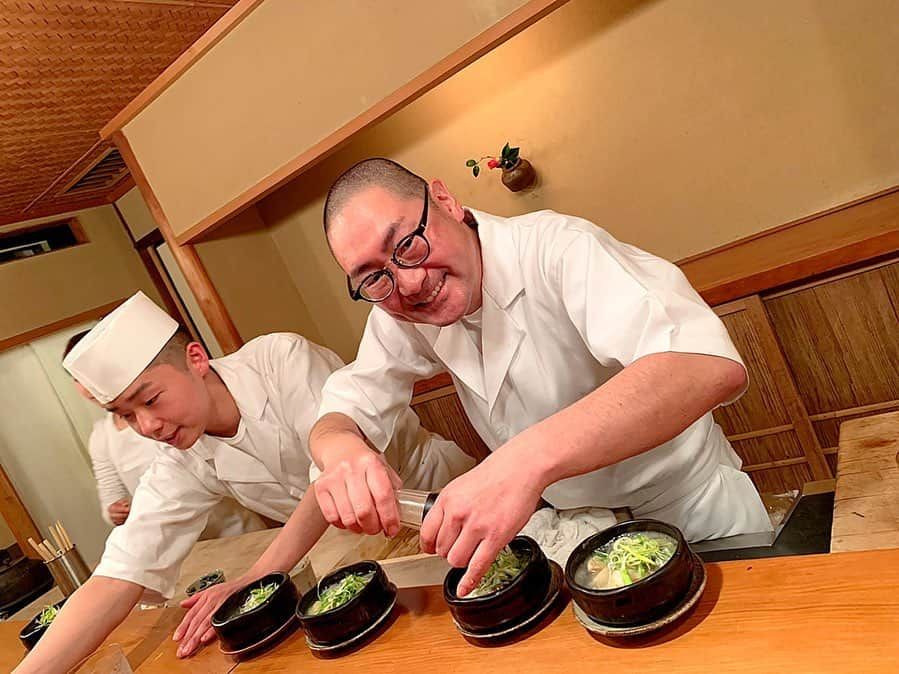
x,y
444,198
196,358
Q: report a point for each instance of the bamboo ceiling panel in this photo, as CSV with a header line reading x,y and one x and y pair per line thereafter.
x,y
282,84
66,68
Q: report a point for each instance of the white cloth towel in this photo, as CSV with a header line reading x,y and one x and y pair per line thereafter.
x,y
559,531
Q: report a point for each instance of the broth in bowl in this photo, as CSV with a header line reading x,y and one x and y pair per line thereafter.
x,y
625,560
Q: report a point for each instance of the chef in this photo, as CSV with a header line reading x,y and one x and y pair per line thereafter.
x,y
119,457
235,427
589,367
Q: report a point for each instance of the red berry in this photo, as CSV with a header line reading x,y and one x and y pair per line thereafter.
x,y
492,164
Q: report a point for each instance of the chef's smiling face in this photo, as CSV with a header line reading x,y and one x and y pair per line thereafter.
x,y
169,403
445,287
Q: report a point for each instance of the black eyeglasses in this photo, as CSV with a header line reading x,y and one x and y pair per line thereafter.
x,y
411,251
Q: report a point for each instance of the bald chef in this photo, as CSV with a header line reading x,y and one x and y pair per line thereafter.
x,y
234,427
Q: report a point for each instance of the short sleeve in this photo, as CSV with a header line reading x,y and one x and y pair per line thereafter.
x,y
168,512
627,303
376,388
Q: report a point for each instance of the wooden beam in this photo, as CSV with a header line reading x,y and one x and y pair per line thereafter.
x,y
188,260
124,186
146,249
779,463
764,432
844,235
438,381
16,516
861,409
730,308
207,41
29,336
793,404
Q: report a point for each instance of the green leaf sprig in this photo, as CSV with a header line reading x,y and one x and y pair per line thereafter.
x,y
507,158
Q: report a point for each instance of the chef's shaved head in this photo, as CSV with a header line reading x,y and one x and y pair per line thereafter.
x,y
376,172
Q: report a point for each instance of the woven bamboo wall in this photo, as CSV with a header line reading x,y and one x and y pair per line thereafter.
x,y
817,356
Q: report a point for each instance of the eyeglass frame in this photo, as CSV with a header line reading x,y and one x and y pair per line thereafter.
x,y
356,294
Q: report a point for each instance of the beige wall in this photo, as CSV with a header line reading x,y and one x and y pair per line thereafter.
x,y
137,215
245,267
6,537
250,275
46,288
289,75
677,126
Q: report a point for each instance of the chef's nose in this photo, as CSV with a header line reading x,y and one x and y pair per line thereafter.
x,y
410,281
148,424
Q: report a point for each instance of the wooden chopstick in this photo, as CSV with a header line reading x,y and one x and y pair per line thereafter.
x,y
65,542
39,548
57,539
65,535
53,551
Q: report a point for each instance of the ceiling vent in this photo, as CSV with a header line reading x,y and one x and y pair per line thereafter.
x,y
103,175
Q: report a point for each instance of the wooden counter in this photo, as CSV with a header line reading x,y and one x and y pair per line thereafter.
x,y
815,614
144,636
866,503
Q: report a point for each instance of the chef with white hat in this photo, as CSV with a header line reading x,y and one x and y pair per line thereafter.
x,y
234,427
120,457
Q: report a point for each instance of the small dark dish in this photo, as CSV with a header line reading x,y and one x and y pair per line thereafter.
x,y
205,582
344,624
33,631
240,632
508,606
643,601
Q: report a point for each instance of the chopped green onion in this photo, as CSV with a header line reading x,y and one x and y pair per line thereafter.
x,y
340,593
258,596
635,556
48,615
504,570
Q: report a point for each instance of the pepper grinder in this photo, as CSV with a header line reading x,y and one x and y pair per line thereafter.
x,y
414,506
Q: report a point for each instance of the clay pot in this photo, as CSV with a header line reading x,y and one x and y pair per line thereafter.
x,y
520,176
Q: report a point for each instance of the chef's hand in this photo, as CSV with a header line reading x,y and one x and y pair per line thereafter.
x,y
478,513
356,488
118,511
195,629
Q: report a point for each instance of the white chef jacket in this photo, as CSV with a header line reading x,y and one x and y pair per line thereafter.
x,y
276,381
120,457
565,307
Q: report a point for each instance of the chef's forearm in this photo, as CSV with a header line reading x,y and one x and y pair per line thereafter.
x,y
327,429
305,526
85,620
643,406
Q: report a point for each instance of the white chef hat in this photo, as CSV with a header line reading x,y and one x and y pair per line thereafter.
x,y
113,354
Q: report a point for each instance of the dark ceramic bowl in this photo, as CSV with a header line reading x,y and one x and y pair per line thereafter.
x,y
33,631
508,606
205,582
357,615
640,602
241,631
